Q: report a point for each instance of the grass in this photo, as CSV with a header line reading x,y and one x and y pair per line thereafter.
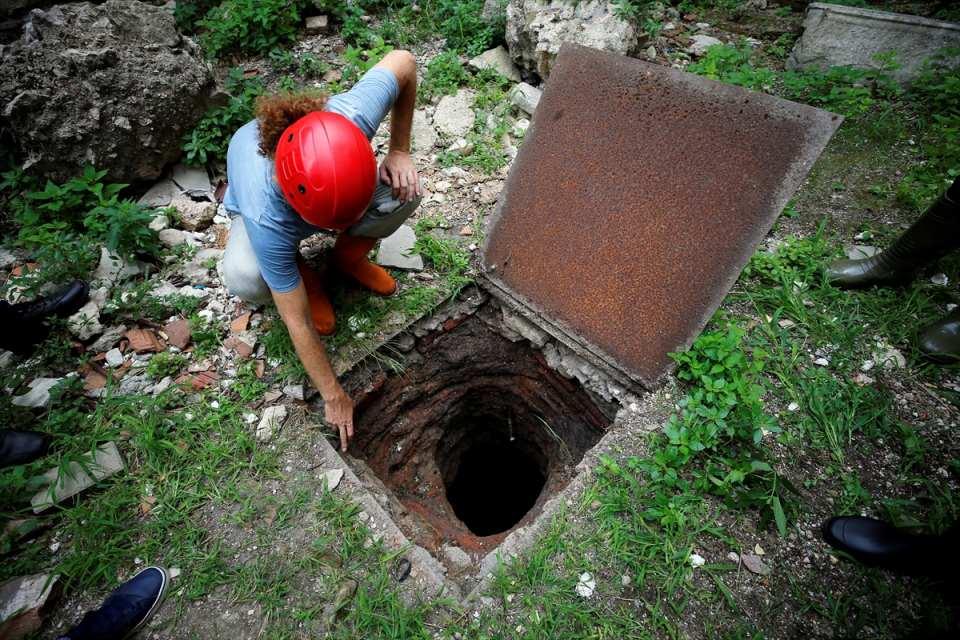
x,y
735,464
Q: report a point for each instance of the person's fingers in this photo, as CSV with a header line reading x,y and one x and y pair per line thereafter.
x,y
415,182
343,438
384,175
395,183
350,429
404,186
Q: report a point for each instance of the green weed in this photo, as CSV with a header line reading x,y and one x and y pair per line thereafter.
x,y
63,224
165,364
250,26
445,74
208,141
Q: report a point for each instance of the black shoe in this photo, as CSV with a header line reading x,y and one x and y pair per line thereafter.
x,y
878,544
21,447
125,610
934,235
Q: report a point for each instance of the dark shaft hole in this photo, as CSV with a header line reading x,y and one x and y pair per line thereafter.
x,y
495,485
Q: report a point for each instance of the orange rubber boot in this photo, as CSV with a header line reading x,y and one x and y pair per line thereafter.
x,y
324,321
350,256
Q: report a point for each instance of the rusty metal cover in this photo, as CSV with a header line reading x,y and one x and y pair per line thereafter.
x,y
637,197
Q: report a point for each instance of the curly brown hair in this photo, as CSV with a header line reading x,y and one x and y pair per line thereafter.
x,y
277,112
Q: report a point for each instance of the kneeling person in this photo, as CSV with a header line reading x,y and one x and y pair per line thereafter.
x,y
305,165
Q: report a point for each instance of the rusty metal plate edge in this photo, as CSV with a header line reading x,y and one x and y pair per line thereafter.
x,y
560,330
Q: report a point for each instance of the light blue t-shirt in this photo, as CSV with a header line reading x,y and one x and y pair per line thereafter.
x,y
275,229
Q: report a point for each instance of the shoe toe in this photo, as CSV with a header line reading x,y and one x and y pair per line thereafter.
x,y
148,585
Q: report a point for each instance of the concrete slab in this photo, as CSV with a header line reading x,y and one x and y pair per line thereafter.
x,y
638,195
835,35
396,250
78,477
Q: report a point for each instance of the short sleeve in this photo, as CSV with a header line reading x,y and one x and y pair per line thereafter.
x,y
276,252
369,101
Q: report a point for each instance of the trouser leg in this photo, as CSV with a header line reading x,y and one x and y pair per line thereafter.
x,y
240,270
384,215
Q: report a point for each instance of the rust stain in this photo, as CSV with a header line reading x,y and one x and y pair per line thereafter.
x,y
638,196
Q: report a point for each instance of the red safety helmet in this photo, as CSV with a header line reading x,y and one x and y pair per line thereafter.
x,y
326,169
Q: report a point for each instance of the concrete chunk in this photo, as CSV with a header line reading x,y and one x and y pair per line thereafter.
x,y
499,60
38,397
525,97
24,602
835,35
271,421
396,250
78,477
317,24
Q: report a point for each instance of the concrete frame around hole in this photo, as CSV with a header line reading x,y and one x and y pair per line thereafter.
x,y
402,422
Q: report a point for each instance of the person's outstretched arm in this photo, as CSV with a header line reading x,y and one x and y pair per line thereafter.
x,y
294,309
397,168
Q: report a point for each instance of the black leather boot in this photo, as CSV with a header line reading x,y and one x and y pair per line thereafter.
x,y
878,544
934,235
22,325
21,447
941,340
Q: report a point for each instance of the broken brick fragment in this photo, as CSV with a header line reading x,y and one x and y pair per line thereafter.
x,y
240,323
178,333
200,380
144,341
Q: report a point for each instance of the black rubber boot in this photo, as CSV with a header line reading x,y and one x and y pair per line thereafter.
x,y
941,340
63,304
21,447
878,544
934,235
22,325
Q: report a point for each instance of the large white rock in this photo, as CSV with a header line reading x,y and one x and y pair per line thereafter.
x,y
424,137
85,323
193,181
700,43
499,60
454,116
835,35
536,29
525,97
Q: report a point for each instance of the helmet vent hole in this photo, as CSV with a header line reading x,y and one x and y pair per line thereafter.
x,y
302,189
290,138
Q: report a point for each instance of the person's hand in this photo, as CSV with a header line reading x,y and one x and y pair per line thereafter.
x,y
397,170
338,412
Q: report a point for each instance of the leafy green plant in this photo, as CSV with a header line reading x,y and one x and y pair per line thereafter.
x,y
188,13
462,24
359,61
936,95
209,140
165,364
445,74
310,66
250,26
62,224
711,443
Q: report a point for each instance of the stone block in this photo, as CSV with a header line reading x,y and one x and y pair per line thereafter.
x,y
835,35
24,602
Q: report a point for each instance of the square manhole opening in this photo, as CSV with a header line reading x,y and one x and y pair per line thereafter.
x,y
469,441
